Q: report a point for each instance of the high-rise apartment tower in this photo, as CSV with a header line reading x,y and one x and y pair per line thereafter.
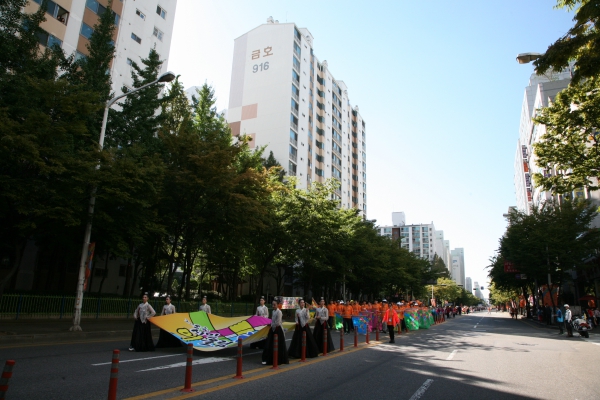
x,y
285,98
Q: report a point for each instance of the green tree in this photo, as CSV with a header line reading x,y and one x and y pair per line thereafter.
x,y
580,43
571,143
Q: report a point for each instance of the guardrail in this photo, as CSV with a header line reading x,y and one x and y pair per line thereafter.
x,y
19,306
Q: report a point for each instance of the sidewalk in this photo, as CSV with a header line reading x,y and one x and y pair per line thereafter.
x,y
543,324
31,331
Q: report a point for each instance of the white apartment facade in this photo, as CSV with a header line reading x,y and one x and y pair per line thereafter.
x,y
286,99
457,271
141,26
468,285
420,239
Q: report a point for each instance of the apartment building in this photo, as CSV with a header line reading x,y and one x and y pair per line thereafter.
x,y
468,285
457,271
421,239
285,98
141,26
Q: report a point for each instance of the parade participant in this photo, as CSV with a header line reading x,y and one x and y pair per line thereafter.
x,y
141,338
205,307
384,308
321,318
347,316
331,309
165,339
261,311
276,329
355,308
295,349
391,319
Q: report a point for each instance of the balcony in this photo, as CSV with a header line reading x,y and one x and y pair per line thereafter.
x,y
294,110
294,141
337,153
295,96
293,157
294,126
296,67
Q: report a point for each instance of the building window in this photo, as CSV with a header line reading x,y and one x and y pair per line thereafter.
x,y
48,40
80,56
295,76
86,31
99,9
158,33
55,11
297,49
161,11
140,14
292,169
320,145
319,172
136,38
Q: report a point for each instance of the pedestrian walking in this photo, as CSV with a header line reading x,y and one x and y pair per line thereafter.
x,y
295,349
165,339
205,307
568,321
141,338
391,319
321,318
261,311
276,329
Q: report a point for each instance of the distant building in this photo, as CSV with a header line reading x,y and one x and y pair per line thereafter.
x,y
457,271
468,285
420,239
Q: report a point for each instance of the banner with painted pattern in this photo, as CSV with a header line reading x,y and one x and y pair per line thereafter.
x,y
209,332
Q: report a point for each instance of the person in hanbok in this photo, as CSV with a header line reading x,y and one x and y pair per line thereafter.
x,y
276,329
261,311
165,339
141,338
295,349
205,307
321,319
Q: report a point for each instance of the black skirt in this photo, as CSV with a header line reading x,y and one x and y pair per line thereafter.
x,y
141,338
282,355
165,339
318,335
295,349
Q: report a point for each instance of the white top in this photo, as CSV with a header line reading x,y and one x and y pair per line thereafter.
x,y
322,314
302,316
276,319
568,315
596,313
168,309
205,308
143,312
262,311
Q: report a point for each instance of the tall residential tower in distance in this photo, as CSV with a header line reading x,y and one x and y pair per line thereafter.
x,y
285,98
141,26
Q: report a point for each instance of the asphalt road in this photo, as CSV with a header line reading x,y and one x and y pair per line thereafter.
x,y
478,356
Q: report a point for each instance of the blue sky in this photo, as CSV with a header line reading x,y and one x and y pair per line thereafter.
x,y
436,82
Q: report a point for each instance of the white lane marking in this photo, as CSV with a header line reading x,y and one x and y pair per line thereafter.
x,y
451,356
183,364
475,326
139,359
421,391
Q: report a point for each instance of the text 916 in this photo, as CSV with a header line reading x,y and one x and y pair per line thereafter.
x,y
260,67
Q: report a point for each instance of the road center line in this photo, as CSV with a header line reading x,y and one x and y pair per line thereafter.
x,y
183,364
421,391
451,356
139,359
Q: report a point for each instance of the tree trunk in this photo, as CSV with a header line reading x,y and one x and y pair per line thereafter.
x,y
128,272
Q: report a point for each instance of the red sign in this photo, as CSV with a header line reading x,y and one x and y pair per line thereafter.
x,y
510,267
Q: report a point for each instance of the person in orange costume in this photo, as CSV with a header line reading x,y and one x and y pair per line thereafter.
x,y
347,315
384,308
391,319
402,325
331,308
355,308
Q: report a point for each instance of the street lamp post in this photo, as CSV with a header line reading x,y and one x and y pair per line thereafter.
x,y
166,77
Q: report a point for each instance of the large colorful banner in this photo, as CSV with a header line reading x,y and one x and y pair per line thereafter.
x,y
361,323
288,303
208,332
